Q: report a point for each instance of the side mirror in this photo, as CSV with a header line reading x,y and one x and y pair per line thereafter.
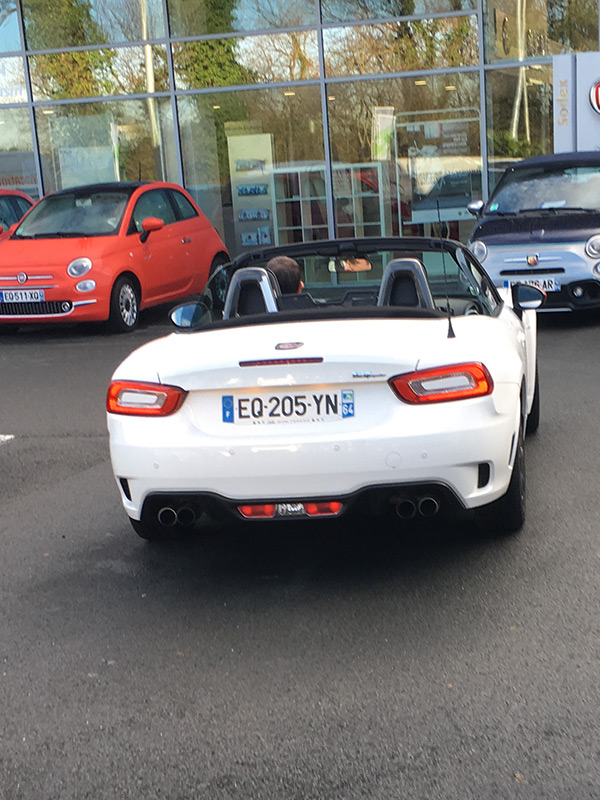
x,y
527,297
189,316
150,224
474,207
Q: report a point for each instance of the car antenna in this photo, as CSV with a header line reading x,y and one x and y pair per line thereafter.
x,y
451,334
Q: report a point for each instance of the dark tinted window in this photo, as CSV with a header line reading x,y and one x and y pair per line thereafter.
x,y
186,209
22,205
7,213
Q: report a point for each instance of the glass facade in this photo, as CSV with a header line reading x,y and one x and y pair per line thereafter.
x,y
287,120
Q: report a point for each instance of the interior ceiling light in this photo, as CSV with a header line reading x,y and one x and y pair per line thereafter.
x,y
450,88
420,83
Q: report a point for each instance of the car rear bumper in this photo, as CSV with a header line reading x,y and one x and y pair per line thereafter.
x,y
471,461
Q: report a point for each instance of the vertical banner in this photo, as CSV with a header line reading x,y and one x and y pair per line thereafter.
x,y
251,170
564,110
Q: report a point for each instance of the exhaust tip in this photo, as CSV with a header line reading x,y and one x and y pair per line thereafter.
x,y
428,506
167,516
186,516
406,509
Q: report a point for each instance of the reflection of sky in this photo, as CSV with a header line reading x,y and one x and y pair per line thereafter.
x,y
251,15
9,34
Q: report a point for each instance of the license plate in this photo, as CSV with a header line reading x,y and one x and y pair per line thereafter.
x,y
547,284
22,296
273,409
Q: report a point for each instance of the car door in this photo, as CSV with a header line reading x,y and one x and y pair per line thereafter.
x,y
191,227
161,258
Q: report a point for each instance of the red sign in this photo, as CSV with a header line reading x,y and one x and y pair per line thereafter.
x,y
595,96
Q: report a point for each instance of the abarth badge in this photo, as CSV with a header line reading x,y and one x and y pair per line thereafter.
x,y
288,345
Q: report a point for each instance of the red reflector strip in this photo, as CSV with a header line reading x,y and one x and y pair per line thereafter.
x,y
328,509
264,510
274,362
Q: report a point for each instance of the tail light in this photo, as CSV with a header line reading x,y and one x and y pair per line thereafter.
x,y
258,511
330,508
442,384
143,399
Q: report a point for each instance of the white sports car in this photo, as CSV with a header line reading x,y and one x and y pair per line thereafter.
x,y
398,380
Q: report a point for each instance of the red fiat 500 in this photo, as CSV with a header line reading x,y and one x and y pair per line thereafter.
x,y
104,252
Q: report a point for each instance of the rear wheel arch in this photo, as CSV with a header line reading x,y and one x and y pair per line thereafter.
x,y
219,259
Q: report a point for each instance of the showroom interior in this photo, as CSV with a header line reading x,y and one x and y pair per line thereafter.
x,y
287,120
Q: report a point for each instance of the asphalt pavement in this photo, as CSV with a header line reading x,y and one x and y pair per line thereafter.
x,y
324,662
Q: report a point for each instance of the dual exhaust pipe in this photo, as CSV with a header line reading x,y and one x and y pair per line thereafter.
x,y
185,516
424,506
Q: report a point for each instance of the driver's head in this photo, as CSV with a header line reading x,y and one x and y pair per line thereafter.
x,y
288,274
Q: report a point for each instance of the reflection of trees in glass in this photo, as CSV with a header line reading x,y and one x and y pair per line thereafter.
x,y
126,70
251,59
280,57
394,47
130,20
209,63
197,17
531,136
351,112
573,23
61,23
76,74
346,10
294,120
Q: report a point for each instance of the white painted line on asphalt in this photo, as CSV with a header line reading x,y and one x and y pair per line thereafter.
x,y
6,437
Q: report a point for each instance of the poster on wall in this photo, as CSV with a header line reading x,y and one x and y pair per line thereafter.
x,y
251,171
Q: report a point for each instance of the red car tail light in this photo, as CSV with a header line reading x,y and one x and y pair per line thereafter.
x,y
143,399
323,509
442,384
258,511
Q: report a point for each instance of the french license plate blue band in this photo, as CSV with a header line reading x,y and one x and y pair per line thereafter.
x,y
227,406
348,403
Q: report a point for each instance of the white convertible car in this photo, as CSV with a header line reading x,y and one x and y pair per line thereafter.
x,y
399,380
